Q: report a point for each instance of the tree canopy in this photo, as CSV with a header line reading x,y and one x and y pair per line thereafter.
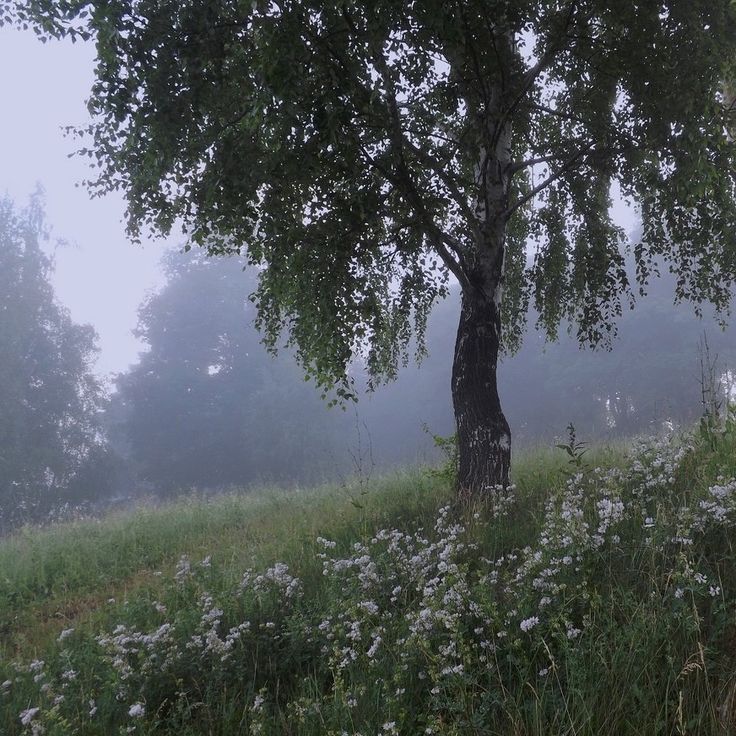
x,y
207,406
361,153
49,431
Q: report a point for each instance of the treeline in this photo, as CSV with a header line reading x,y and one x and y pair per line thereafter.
x,y
207,407
52,448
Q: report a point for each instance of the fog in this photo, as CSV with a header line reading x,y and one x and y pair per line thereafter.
x,y
182,396
100,277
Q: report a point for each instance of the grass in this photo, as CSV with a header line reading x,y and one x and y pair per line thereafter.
x,y
55,575
77,567
435,627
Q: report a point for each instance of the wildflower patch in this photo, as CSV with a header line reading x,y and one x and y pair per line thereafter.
x,y
429,630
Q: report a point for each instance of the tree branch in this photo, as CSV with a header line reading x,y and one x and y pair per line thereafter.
x,y
570,164
519,165
449,250
441,241
532,74
447,180
556,113
480,78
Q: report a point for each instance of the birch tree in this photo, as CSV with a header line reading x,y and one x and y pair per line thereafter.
x,y
362,154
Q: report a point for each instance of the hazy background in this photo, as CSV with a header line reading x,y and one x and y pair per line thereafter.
x,y
203,406
100,276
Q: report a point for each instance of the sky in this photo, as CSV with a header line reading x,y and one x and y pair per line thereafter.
x,y
100,276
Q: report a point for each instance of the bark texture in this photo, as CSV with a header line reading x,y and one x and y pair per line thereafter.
x,y
484,439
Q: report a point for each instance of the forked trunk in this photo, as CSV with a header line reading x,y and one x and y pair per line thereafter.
x,y
484,439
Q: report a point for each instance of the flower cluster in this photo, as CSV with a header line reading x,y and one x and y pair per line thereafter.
x,y
417,616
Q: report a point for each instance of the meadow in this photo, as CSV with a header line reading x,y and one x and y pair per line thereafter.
x,y
597,596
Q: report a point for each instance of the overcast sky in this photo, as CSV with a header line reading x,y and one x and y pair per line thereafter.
x,y
100,275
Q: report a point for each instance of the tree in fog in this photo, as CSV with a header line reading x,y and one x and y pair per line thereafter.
x,y
49,435
362,152
207,406
651,377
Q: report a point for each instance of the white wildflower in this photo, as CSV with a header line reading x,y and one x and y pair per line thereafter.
x,y
529,623
183,569
137,710
26,716
369,607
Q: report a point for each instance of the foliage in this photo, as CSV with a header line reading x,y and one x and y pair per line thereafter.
x,y
555,614
362,147
574,448
448,447
49,431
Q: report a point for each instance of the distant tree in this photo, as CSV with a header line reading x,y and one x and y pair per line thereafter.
x,y
207,406
49,399
361,152
650,378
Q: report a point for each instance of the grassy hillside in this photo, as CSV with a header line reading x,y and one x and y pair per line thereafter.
x,y
596,598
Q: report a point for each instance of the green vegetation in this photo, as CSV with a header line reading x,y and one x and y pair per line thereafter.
x,y
362,154
596,597
51,452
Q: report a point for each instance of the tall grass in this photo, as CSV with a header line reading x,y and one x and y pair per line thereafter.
x,y
596,598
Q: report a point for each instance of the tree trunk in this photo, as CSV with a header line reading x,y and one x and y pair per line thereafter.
x,y
483,436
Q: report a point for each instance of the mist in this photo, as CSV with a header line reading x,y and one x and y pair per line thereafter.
x,y
367,368
176,392
207,408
